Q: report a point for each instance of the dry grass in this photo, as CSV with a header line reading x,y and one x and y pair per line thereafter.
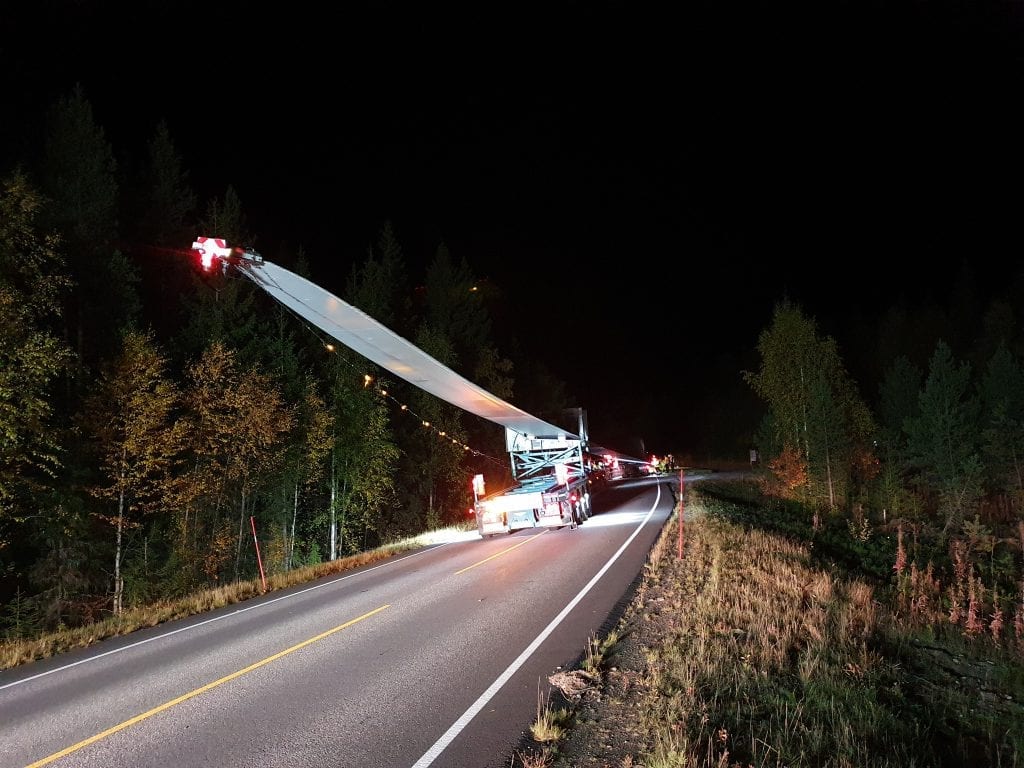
x,y
748,652
551,723
15,652
598,651
539,759
763,633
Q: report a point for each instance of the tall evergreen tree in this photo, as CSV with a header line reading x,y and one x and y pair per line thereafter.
x,y
224,306
899,401
165,225
910,331
454,308
455,329
1002,419
32,285
433,464
999,329
942,440
79,177
169,203
379,286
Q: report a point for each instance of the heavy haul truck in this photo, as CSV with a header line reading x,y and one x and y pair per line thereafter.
x,y
553,484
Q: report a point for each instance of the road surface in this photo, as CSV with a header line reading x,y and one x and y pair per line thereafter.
x,y
433,658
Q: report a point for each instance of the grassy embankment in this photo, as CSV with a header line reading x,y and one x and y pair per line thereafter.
x,y
21,651
803,648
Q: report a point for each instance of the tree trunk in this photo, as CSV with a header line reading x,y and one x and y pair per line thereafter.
x,y
241,530
118,585
1016,468
295,514
334,498
828,474
341,528
803,407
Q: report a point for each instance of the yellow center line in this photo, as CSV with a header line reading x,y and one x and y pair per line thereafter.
x,y
197,691
499,554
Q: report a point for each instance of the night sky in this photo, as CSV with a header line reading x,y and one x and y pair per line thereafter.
x,y
643,184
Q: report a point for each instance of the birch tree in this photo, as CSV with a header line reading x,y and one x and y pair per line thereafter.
x,y
130,416
821,420
261,422
309,449
363,463
203,486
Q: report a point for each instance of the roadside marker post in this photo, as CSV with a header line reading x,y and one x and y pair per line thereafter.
x,y
263,576
681,489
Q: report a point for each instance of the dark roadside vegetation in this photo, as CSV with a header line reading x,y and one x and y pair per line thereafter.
x,y
780,641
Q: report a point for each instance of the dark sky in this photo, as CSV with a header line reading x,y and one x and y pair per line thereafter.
x,y
644,181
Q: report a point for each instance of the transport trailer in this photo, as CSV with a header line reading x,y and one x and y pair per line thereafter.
x,y
541,502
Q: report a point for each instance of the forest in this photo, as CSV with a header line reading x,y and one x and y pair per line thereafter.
x,y
154,419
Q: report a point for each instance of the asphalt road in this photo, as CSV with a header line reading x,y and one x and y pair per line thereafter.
x,y
434,658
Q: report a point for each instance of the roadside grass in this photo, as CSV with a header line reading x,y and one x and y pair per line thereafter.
x,y
551,723
599,651
24,650
766,648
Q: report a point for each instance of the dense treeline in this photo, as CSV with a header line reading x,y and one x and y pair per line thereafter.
x,y
152,415
935,466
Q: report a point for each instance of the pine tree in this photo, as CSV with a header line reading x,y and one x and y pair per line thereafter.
x,y
899,402
433,463
379,286
224,306
80,179
169,202
32,283
165,225
1002,437
942,439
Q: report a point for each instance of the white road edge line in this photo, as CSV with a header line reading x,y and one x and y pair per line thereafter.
x,y
217,618
449,736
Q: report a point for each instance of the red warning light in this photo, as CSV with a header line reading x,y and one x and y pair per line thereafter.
x,y
210,249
